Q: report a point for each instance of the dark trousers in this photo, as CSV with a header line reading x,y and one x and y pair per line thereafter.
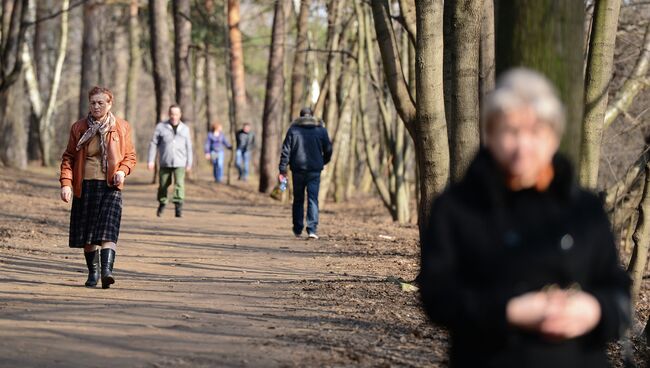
x,y
309,180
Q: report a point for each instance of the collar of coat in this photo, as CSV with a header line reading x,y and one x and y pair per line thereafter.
x,y
487,181
307,121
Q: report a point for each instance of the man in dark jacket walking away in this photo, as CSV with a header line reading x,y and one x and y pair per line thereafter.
x,y
306,149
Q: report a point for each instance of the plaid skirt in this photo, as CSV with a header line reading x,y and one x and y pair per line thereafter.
x,y
96,216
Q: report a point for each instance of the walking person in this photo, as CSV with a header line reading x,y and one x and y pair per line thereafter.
x,y
97,159
519,263
306,150
173,143
214,150
245,146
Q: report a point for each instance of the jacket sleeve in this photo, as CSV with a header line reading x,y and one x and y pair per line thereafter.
x,y
327,147
610,283
226,143
286,153
188,146
67,160
153,145
447,297
128,162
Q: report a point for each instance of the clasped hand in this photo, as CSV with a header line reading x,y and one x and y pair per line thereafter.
x,y
557,314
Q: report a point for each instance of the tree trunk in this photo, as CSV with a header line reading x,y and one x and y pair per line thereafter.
x,y
117,59
135,65
299,76
547,35
162,71
182,42
599,74
464,57
90,56
237,65
487,67
430,130
13,137
641,239
273,102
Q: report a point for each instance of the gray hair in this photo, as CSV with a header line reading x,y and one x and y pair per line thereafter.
x,y
523,87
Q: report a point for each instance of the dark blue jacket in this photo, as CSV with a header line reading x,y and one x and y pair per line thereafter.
x,y
306,147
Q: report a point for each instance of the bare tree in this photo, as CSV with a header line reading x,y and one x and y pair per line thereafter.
x,y
182,42
237,78
162,71
464,56
424,120
90,56
634,84
298,75
42,107
135,65
487,67
13,139
597,78
273,102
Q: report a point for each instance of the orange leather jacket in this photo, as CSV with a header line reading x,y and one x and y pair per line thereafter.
x,y
121,155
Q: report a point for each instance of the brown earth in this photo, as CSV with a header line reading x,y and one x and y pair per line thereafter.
x,y
226,285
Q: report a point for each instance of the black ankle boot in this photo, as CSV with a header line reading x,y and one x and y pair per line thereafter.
x,y
92,261
108,258
179,209
161,209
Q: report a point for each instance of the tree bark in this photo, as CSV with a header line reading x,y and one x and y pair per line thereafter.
x,y
135,66
641,239
162,71
299,73
430,130
182,42
463,49
273,102
90,56
600,64
236,64
487,67
13,140
547,35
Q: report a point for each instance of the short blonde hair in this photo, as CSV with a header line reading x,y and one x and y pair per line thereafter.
x,y
523,87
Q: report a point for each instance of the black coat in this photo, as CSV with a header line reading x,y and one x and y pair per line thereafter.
x,y
487,244
306,147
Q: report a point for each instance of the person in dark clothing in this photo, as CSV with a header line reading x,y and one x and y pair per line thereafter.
x,y
306,150
245,139
519,263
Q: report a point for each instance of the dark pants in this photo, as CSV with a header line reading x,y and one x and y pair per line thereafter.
x,y
309,180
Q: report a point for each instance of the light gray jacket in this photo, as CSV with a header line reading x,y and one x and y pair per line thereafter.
x,y
175,149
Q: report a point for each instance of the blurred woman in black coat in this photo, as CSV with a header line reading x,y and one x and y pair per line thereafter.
x,y
520,263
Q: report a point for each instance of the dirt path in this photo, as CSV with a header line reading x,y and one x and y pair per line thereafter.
x,y
226,285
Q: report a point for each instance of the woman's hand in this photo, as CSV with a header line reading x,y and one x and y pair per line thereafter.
x,y
580,313
66,194
527,311
556,314
118,178
207,156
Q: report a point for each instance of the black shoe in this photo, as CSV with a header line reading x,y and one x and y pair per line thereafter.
x,y
161,209
92,261
179,209
108,259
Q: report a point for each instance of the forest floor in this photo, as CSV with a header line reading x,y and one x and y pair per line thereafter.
x,y
227,285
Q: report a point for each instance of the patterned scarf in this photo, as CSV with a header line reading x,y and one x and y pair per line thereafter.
x,y
101,127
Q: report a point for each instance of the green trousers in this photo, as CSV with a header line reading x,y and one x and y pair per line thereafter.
x,y
166,174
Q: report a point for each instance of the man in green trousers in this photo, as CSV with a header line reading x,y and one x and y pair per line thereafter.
x,y
173,143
